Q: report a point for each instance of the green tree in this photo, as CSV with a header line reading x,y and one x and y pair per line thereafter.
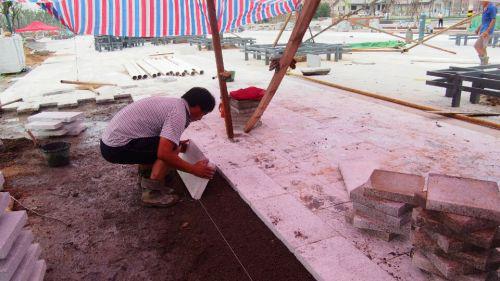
x,y
323,11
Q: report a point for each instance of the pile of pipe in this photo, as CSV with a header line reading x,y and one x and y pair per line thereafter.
x,y
154,67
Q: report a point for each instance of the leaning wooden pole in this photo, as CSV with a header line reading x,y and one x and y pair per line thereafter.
x,y
220,67
439,32
293,44
282,29
399,36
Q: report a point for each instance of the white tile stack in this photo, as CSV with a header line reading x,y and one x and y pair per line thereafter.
x,y
55,124
19,256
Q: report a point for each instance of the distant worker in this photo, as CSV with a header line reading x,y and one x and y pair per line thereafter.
x,y
148,132
485,30
440,20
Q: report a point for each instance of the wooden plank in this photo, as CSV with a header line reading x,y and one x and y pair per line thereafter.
x,y
87,83
220,67
294,42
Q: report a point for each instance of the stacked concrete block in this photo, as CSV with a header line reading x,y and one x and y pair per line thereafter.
x,y
55,124
19,256
241,111
383,205
456,231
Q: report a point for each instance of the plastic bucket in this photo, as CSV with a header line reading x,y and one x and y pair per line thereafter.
x,y
56,153
231,79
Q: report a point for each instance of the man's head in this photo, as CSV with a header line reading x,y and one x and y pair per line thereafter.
x,y
485,3
200,102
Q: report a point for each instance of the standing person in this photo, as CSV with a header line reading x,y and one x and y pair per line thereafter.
x,y
440,20
148,132
485,30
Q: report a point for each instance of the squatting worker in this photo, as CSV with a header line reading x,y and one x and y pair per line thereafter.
x,y
485,30
148,132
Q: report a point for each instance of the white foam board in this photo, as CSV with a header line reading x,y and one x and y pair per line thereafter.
x,y
195,185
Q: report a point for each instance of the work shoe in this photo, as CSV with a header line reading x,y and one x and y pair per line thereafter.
x,y
156,198
147,183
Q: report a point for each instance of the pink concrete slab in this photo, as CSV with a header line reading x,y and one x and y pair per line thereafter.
x,y
252,183
337,259
11,224
195,185
4,202
10,263
39,271
64,116
291,221
27,265
356,172
463,196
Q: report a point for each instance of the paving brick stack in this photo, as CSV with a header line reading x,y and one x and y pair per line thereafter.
x,y
456,231
54,124
241,111
383,205
19,256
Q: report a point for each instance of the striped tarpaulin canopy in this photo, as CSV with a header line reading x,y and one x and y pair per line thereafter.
x,y
156,18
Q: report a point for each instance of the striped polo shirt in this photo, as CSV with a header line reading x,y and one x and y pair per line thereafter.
x,y
149,117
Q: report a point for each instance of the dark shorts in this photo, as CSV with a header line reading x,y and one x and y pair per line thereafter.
x,y
137,151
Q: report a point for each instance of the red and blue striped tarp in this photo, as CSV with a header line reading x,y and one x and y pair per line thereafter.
x,y
157,18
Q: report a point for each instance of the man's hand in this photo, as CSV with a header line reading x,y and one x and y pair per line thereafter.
x,y
183,145
203,170
485,35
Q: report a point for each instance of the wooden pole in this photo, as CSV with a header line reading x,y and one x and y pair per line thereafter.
x,y
439,32
399,36
220,67
282,29
293,44
86,83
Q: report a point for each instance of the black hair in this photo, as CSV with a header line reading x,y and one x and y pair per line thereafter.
x,y
200,96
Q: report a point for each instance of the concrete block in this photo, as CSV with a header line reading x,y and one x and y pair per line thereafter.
x,y
356,172
4,202
420,199
195,185
482,238
252,183
364,222
313,60
388,207
10,264
450,244
76,130
2,180
483,260
28,107
376,214
108,90
67,103
139,97
44,125
394,186
103,99
50,133
235,110
64,116
11,224
244,104
39,271
27,264
290,221
122,95
337,259
465,224
463,196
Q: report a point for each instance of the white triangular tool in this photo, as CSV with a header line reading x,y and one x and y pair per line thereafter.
x,y
195,185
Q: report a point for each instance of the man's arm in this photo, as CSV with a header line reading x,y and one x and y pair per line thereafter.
x,y
168,152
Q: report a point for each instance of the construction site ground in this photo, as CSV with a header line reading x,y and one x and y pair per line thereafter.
x,y
291,171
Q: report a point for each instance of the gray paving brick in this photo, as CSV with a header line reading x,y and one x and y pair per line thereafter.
x,y
392,208
363,222
11,224
463,196
394,186
4,202
378,215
